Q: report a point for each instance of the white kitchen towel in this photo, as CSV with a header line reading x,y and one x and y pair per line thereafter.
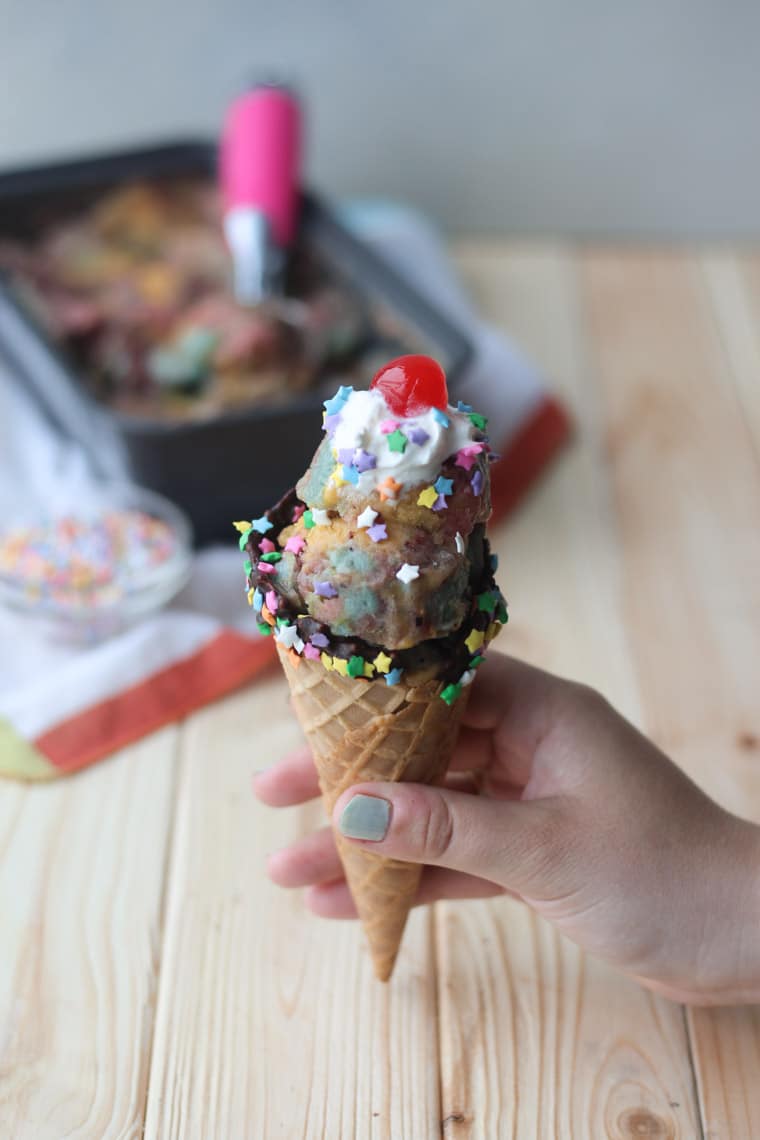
x,y
64,707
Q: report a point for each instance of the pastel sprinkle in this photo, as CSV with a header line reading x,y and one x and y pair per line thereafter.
x,y
325,590
369,669
382,662
462,407
444,486
247,566
243,540
494,562
492,630
378,532
242,526
350,475
417,435
331,423
264,628
502,614
272,557
364,460
287,635
397,441
474,640
340,665
356,667
334,405
326,660
408,573
477,481
450,693
267,546
440,417
250,595
308,520
467,677
266,568
311,652
273,602
297,512
319,640
487,602
295,544
440,503
478,421
319,516
344,391
366,518
258,599
346,455
393,677
388,426
389,488
262,525
467,456
427,497
459,543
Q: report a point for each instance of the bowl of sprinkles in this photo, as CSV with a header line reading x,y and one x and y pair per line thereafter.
x,y
85,573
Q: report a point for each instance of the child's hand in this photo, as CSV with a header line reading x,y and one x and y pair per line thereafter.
x,y
579,816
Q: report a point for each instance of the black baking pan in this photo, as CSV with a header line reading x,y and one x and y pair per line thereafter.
x,y
233,465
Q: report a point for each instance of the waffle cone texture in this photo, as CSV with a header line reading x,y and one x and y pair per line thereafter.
x,y
361,731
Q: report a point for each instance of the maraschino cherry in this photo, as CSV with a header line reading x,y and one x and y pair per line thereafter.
x,y
412,385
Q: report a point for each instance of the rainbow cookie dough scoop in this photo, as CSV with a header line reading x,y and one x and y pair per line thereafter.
x,y
375,578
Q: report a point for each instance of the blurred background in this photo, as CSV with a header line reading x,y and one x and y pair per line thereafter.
x,y
591,118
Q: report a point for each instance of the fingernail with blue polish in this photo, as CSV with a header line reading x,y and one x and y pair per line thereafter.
x,y
365,817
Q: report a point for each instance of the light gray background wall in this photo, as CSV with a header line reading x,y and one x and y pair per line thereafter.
x,y
588,116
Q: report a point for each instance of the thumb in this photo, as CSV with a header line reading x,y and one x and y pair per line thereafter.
x,y
512,843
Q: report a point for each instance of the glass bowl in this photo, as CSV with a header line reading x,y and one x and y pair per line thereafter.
x,y
83,573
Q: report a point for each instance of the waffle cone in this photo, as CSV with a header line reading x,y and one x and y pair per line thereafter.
x,y
361,731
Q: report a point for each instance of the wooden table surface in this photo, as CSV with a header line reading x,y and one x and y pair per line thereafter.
x,y
153,983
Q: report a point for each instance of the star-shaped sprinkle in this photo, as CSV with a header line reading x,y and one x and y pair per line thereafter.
x,y
266,546
440,503
382,662
492,630
319,517
266,568
467,456
272,557
462,407
427,497
340,665
344,392
459,543
356,667
311,652
389,488
478,421
397,441
350,475
477,481
319,640
444,486
297,512
408,573
286,635
501,612
334,405
440,417
346,455
247,566
242,526
326,660
364,460
331,423
325,590
250,595
295,544
450,693
369,669
417,435
378,532
366,518
487,602
273,602
393,677
243,540
262,525
263,628
388,426
474,640
308,520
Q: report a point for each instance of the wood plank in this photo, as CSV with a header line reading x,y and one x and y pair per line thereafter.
x,y
671,362
82,865
269,1021
538,1039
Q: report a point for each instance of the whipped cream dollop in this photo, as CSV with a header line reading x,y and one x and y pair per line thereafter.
x,y
366,430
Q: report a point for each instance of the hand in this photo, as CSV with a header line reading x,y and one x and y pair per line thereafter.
x,y
576,814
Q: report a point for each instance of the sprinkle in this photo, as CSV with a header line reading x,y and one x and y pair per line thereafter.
x,y
325,590
297,512
242,526
492,630
440,417
417,435
356,667
427,497
258,599
501,613
247,566
450,693
474,640
366,518
267,546
457,539
336,477
444,486
249,595
369,669
243,540
388,426
286,635
272,557
311,652
334,405
264,628
487,602
393,677
340,665
319,640
408,573
467,678
350,475
319,517
298,645
346,455
397,441
266,568
266,615
261,525
295,544
326,660
344,392
494,562
382,662
440,503
273,602
462,407
467,456
331,423
378,532
389,488
364,460
477,660
477,481
308,520
478,421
